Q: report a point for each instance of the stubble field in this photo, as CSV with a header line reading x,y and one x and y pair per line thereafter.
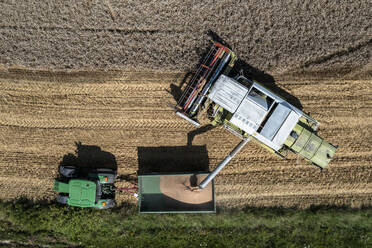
x,y
43,114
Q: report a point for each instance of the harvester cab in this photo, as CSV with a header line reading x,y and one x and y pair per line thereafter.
x,y
250,111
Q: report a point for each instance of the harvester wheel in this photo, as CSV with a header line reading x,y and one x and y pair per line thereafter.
x,y
67,171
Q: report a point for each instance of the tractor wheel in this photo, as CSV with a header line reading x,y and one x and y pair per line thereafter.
x,y
62,199
67,171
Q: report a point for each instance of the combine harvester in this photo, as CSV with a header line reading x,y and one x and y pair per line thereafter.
x,y
250,111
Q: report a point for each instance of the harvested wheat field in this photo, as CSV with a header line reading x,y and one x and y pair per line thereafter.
x,y
126,115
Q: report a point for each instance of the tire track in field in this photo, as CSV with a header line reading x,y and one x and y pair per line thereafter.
x,y
335,54
90,123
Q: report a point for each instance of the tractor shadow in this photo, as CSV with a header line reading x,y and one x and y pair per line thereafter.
x,y
88,156
241,67
178,159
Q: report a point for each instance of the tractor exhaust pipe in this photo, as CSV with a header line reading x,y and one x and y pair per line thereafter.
x,y
224,162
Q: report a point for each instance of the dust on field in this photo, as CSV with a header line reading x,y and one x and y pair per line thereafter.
x,y
43,114
279,37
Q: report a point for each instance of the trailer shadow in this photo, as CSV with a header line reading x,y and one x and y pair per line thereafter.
x,y
241,67
178,159
89,156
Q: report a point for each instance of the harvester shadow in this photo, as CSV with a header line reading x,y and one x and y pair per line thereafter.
x,y
178,159
216,38
200,130
242,68
176,90
88,156
266,80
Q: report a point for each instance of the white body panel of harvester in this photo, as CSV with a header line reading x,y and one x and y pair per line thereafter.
x,y
251,109
227,93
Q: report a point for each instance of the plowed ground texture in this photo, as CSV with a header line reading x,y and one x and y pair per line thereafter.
x,y
127,115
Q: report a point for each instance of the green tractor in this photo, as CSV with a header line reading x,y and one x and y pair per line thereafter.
x,y
86,187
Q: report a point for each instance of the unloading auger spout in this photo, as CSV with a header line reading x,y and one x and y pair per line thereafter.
x,y
224,162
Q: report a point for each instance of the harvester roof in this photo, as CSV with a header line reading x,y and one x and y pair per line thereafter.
x,y
256,110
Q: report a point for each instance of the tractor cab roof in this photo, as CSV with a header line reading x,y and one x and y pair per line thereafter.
x,y
82,193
